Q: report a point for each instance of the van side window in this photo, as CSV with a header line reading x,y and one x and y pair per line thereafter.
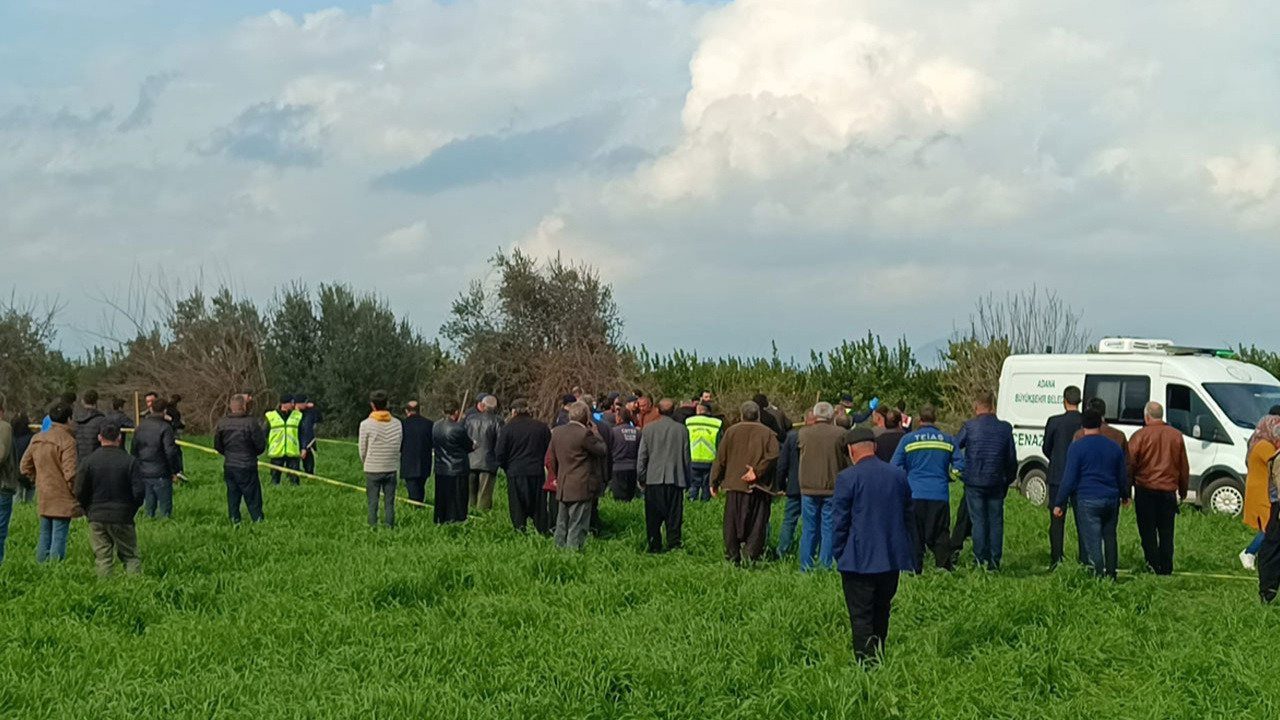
x,y
1126,396
1184,409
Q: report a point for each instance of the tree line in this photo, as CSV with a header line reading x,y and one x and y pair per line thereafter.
x,y
532,329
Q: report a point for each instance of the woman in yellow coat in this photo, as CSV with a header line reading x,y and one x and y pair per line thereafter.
x,y
1257,495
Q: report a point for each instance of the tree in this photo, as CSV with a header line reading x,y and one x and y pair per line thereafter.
x,y
292,349
538,330
31,372
1030,322
361,347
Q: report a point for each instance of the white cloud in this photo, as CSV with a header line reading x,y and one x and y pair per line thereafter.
x,y
910,155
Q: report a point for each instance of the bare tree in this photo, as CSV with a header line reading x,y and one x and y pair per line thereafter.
x,y
1030,321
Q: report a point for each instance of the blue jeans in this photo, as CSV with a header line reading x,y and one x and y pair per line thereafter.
x,y
1253,548
159,499
53,538
700,483
6,511
815,514
986,512
1096,520
790,518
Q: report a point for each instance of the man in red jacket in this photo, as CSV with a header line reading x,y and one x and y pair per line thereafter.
x,y
1160,472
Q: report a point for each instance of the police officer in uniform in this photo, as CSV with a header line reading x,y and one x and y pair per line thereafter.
x,y
704,438
283,446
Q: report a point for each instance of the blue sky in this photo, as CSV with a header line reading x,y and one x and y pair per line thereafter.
x,y
811,169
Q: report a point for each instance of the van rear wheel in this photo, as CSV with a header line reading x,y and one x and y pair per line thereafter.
x,y
1035,487
1224,495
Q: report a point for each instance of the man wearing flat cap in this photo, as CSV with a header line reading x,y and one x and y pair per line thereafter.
x,y
873,520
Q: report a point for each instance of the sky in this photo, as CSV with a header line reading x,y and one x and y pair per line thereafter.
x,y
743,173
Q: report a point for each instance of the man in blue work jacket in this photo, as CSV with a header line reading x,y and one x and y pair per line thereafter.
x,y
931,460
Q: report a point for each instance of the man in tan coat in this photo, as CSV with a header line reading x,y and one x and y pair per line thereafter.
x,y
744,467
823,454
575,460
51,460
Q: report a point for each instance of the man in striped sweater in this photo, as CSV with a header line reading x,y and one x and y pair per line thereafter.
x,y
380,436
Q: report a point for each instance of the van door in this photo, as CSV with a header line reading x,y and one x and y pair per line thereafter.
x,y
1186,410
1126,397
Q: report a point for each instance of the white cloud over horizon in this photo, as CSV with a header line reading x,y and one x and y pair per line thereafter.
x,y
811,168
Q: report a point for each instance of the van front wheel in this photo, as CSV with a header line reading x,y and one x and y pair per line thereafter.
x,y
1224,495
1035,487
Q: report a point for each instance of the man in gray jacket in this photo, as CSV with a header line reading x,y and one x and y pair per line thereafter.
x,y
483,427
664,468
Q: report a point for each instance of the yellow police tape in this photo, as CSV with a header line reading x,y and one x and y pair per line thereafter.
x,y
338,442
299,473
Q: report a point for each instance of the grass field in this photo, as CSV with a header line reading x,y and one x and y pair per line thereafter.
x,y
312,614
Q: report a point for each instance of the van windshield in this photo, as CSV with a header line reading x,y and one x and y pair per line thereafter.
x,y
1244,404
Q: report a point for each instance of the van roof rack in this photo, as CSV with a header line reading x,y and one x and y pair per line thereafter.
x,y
1147,346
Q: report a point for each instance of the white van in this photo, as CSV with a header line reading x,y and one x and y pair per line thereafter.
x,y
1214,400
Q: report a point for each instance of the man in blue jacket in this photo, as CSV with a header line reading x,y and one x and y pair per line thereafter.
x,y
873,517
1098,475
931,460
990,467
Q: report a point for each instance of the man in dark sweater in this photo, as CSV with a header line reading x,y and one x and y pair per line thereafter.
x,y
1059,433
88,422
119,418
240,439
415,451
109,489
158,459
1098,476
888,432
788,475
521,449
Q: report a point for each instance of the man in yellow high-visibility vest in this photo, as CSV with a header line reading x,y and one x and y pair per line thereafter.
x,y
704,439
283,446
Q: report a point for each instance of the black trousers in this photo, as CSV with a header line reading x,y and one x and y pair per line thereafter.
x,y
309,462
664,505
1058,529
1269,558
417,487
596,525
962,530
623,486
284,462
243,484
869,598
933,531
552,508
451,499
1156,511
525,502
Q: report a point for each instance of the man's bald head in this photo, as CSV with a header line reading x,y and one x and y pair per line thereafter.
x,y
239,403
666,406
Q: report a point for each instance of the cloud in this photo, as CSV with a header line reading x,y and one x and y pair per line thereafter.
x,y
487,158
148,95
406,241
271,133
900,156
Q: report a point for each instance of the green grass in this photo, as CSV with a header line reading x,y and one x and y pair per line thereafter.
x,y
314,615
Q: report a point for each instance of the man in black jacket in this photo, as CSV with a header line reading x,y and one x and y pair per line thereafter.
x,y
240,439
109,489
415,451
88,422
158,459
120,419
521,451
453,447
1058,434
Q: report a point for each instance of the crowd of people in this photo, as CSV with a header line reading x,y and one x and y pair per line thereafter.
x,y
870,502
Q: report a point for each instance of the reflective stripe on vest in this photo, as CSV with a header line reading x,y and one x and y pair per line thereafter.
x,y
703,430
282,441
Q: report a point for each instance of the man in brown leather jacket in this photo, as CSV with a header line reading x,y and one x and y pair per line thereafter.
x,y
1160,472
